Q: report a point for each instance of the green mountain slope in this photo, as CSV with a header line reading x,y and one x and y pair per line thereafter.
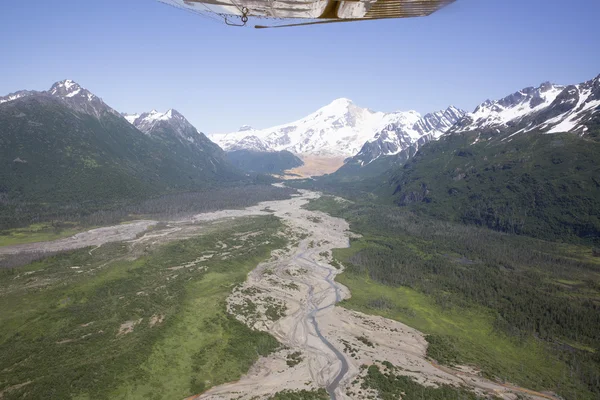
x,y
54,156
542,185
355,171
272,162
204,162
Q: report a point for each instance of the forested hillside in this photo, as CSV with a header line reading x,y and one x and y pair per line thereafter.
x,y
57,159
266,162
520,309
541,185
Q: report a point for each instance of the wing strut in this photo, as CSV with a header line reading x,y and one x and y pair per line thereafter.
x,y
329,21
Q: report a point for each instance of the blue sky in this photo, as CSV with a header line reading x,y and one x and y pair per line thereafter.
x,y
141,54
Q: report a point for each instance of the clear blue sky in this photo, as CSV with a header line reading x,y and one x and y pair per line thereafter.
x,y
141,54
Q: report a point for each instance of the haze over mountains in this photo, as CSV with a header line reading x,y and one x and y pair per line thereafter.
x,y
75,140
343,129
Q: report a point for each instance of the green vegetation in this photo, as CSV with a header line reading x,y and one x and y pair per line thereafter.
x,y
275,309
355,170
294,359
365,341
271,162
105,326
391,386
460,335
348,348
291,285
61,165
319,394
546,186
539,185
520,309
171,206
38,233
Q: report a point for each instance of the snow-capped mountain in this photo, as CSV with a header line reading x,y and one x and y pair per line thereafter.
x,y
437,123
70,89
79,99
147,121
253,143
401,135
170,129
338,129
173,129
69,146
16,95
130,117
71,94
151,123
548,108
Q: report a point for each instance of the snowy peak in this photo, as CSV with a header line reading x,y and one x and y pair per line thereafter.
x,y
253,143
547,108
500,113
343,113
169,125
438,123
343,129
69,88
245,128
173,130
408,131
147,121
336,108
65,90
130,117
338,129
342,102
400,119
79,99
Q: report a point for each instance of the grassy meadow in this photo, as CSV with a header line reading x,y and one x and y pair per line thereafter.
x,y
519,309
107,325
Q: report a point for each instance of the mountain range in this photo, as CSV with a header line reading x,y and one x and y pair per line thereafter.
x,y
363,136
66,147
422,191
547,108
343,129
398,142
175,132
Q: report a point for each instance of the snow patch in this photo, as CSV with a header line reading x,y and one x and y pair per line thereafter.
x,y
131,117
12,97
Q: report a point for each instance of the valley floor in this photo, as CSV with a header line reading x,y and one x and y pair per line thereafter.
x,y
316,166
291,296
326,345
